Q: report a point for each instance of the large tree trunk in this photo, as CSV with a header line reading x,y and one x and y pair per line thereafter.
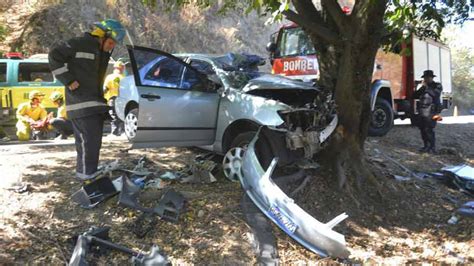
x,y
346,46
350,69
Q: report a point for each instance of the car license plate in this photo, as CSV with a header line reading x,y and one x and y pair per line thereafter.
x,y
282,219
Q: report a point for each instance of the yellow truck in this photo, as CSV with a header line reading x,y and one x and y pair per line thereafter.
x,y
18,77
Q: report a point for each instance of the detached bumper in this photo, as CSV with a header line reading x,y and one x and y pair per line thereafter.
x,y
278,207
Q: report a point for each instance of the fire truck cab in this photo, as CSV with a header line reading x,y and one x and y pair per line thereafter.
x,y
394,80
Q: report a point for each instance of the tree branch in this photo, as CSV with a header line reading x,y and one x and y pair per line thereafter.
x,y
323,32
307,9
335,11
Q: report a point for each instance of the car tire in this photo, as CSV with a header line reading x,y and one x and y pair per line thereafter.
x,y
381,120
131,124
262,147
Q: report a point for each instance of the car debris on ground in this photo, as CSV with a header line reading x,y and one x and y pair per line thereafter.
x,y
201,170
96,240
168,208
279,208
462,176
262,238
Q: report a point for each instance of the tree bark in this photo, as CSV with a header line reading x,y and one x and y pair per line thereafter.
x,y
346,68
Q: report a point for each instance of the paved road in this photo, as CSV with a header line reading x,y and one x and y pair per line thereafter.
x,y
465,119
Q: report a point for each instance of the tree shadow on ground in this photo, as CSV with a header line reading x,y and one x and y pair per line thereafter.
x,y
47,228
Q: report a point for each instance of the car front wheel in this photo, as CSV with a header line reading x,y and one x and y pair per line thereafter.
x,y
131,124
232,163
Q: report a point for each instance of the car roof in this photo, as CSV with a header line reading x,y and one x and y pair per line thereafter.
x,y
203,56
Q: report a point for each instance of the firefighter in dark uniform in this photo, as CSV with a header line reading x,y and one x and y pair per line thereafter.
x,y
428,107
80,64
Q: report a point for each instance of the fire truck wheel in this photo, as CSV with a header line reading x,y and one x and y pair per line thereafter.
x,y
382,118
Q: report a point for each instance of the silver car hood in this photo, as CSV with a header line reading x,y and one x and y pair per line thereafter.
x,y
283,211
276,82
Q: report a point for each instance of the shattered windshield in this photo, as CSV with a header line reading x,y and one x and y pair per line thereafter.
x,y
238,69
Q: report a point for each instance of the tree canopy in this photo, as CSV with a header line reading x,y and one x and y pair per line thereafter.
x,y
425,18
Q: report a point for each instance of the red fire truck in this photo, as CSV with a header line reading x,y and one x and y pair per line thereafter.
x,y
395,77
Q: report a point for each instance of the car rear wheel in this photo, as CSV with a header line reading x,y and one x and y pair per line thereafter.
x,y
131,124
232,163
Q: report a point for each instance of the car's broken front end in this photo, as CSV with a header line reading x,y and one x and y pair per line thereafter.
x,y
309,119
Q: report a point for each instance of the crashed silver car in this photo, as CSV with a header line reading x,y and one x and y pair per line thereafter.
x,y
218,102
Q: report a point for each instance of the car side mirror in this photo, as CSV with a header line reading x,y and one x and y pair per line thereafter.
x,y
271,47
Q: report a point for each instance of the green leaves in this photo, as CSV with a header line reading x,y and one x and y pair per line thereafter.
x,y
423,18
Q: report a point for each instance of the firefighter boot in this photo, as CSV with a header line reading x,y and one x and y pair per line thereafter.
x,y
432,142
426,143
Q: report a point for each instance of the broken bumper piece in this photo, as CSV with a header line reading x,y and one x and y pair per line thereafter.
x,y
282,210
168,208
89,195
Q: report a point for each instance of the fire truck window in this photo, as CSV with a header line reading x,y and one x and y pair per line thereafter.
x,y
34,72
3,72
295,42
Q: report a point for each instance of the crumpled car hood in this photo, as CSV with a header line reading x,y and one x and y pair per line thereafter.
x,y
276,82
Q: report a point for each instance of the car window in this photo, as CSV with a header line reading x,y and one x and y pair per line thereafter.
x,y
166,72
34,72
192,80
3,72
159,70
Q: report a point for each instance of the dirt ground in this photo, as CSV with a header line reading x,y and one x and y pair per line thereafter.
x,y
393,222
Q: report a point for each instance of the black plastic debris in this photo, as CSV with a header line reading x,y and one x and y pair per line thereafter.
x,y
467,209
168,208
462,176
21,188
263,240
97,241
94,193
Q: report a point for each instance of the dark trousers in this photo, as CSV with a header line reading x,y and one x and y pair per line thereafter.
x,y
88,135
116,125
426,126
63,126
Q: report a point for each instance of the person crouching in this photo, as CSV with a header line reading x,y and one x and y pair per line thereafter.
x,y
60,122
32,118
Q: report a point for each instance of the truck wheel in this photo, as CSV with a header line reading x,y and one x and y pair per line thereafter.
x,y
233,158
382,118
131,124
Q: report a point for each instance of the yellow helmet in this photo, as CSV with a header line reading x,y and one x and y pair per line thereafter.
x,y
119,64
56,95
35,94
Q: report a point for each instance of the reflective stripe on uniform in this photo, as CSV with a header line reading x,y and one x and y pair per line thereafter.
x,y
77,106
59,71
90,56
83,146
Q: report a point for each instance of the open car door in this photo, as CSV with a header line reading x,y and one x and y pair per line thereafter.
x,y
178,105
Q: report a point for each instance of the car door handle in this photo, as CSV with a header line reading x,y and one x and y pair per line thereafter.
x,y
150,97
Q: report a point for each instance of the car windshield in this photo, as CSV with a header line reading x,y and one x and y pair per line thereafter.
x,y
237,69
